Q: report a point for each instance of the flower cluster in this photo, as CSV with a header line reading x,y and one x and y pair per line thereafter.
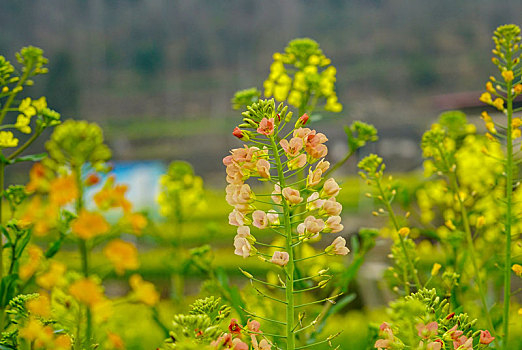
x,y
309,77
234,339
301,150
181,191
301,204
430,337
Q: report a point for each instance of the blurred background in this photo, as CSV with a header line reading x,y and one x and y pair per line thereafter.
x,y
158,75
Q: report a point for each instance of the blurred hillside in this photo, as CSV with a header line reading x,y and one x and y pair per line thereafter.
x,y
159,74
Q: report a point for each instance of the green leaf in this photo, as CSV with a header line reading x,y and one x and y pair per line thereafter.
x,y
7,289
54,247
30,158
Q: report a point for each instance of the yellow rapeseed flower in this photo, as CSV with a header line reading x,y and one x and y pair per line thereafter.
x,y
499,103
35,332
144,291
517,89
22,124
7,139
489,87
486,97
87,291
53,277
508,75
137,222
29,268
435,269
89,225
40,306
517,269
449,224
63,190
123,255
404,231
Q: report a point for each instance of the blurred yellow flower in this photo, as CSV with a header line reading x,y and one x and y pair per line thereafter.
x,y
53,277
29,268
63,190
35,332
40,306
115,341
123,255
144,291
89,225
112,196
517,269
87,291
435,269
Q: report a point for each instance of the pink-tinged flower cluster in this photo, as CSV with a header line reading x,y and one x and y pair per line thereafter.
x,y
245,162
430,338
240,336
301,148
310,140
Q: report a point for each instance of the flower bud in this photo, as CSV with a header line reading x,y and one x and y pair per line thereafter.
x,y
302,120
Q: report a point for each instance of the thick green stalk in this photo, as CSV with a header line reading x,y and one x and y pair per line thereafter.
x,y
290,267
509,208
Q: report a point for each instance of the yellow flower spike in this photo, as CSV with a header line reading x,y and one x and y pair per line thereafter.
x,y
435,269
404,231
499,103
508,76
486,98
449,224
7,139
517,269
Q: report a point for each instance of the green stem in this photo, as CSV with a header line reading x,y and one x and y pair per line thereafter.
x,y
84,251
386,202
509,199
14,92
471,247
290,267
339,164
25,145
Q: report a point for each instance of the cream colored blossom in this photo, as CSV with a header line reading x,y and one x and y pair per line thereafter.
x,y
280,258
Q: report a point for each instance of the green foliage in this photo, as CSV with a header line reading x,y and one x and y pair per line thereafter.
x,y
244,98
